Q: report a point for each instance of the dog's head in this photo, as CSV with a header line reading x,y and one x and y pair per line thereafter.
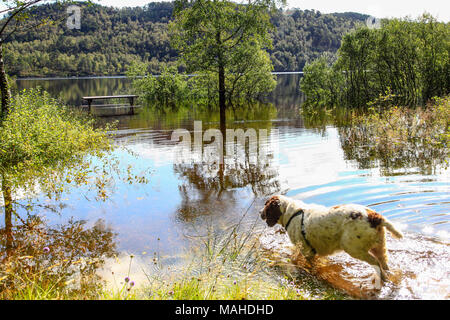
x,y
272,211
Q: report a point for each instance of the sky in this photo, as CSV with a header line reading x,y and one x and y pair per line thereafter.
x,y
376,8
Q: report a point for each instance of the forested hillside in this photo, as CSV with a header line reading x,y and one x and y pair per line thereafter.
x,y
111,39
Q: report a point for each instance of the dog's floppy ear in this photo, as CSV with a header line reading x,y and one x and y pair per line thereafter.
x,y
272,211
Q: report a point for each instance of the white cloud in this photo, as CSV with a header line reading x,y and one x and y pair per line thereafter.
x,y
377,8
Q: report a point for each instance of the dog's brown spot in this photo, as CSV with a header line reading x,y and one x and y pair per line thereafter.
x,y
336,207
375,219
355,215
272,211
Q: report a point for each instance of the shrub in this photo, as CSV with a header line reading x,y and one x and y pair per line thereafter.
x,y
169,89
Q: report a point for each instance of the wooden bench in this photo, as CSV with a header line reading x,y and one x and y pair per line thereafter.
x,y
131,99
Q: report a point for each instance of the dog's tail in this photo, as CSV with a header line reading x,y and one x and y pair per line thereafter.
x,y
397,234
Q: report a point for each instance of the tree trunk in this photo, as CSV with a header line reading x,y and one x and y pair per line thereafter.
x,y
7,199
223,126
4,86
222,99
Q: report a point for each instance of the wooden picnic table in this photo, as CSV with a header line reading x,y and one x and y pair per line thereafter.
x,y
130,97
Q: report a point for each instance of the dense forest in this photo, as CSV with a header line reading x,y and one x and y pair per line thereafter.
x,y
111,39
404,62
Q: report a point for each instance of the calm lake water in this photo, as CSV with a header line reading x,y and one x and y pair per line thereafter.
x,y
305,159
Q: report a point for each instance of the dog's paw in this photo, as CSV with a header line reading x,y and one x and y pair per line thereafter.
x,y
368,291
377,282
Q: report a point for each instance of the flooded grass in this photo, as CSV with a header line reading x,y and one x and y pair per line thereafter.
x,y
399,138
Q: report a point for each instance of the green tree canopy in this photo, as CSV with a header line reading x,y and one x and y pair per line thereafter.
x,y
225,40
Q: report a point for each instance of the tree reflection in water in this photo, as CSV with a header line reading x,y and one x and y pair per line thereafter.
x,y
215,180
399,141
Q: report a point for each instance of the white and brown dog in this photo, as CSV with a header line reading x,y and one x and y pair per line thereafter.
x,y
352,228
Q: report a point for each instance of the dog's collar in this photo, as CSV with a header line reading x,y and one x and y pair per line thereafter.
x,y
301,213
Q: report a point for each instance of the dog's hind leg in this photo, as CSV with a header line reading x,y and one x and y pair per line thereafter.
x,y
370,259
379,250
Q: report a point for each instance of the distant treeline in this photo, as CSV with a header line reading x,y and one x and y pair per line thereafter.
x,y
111,39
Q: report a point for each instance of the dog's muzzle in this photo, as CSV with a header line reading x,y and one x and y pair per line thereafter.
x,y
263,214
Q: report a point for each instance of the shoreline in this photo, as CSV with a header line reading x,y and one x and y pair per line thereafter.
x,y
115,77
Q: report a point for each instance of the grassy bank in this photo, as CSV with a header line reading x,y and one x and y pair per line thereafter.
x,y
221,265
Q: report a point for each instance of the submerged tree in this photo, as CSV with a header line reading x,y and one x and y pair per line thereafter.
x,y
405,59
170,90
248,164
321,83
225,40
